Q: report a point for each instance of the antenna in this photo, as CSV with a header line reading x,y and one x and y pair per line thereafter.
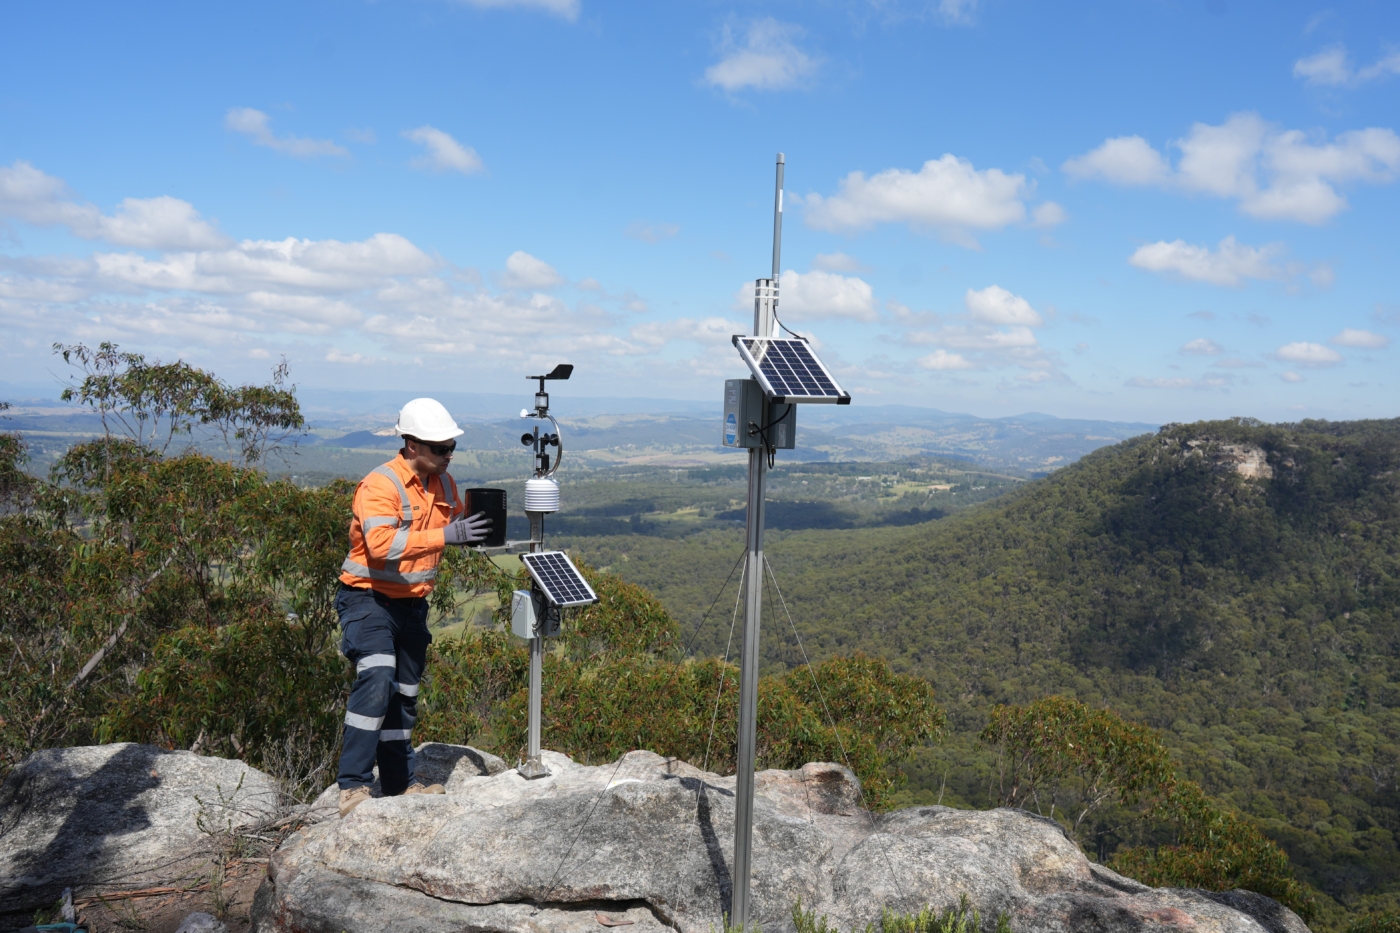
x,y
536,613
760,414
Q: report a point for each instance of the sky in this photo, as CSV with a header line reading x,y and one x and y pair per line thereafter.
x,y
1146,210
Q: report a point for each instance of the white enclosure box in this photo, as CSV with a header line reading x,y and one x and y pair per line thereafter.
x,y
531,616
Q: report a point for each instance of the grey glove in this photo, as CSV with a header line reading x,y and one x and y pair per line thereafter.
x,y
467,530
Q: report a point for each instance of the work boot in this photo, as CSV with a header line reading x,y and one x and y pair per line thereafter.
x,y
425,789
352,798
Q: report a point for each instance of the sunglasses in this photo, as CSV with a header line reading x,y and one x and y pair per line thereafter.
x,y
439,450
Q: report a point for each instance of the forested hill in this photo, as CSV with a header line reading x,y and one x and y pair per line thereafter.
x,y
1233,583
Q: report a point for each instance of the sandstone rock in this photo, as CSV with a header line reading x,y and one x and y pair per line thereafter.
x,y
120,814
436,763
200,922
651,840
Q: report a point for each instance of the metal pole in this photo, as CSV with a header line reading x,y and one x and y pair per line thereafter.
x,y
748,693
749,654
777,222
533,765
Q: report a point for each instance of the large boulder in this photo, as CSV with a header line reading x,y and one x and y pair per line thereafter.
x,y
118,815
650,840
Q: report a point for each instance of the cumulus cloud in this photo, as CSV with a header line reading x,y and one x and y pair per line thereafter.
x,y
443,153
946,194
257,126
768,58
32,196
1291,376
524,271
565,9
1360,339
651,233
816,295
1230,263
1202,346
942,359
1313,355
1332,67
1048,214
1272,174
995,305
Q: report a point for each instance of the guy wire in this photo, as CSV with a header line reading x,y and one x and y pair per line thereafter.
x,y
894,876
719,694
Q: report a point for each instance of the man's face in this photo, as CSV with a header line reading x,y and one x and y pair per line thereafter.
x,y
425,461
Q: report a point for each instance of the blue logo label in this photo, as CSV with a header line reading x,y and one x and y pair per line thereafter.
x,y
731,430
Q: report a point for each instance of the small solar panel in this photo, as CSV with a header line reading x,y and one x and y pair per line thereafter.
x,y
563,585
789,371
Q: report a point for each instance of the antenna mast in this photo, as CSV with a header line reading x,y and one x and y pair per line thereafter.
x,y
765,316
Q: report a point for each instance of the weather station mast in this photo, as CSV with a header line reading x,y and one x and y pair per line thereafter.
x,y
760,414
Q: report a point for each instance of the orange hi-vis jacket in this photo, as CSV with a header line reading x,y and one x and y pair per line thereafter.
x,y
396,539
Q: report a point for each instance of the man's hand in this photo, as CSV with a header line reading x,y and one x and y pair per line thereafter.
x,y
467,530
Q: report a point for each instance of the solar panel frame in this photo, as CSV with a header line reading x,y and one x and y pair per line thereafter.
x,y
558,578
789,371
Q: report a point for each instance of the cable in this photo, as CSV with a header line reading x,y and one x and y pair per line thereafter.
x,y
693,635
577,834
831,720
719,694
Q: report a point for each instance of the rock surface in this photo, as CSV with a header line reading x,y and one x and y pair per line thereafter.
x,y
650,840
117,815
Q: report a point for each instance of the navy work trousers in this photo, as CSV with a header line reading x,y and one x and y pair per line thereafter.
x,y
387,640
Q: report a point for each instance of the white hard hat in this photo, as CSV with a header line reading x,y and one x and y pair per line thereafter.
x,y
427,420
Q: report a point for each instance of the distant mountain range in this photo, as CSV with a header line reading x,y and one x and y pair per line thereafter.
x,y
616,431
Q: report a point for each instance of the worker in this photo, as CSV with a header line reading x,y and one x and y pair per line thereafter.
x,y
405,513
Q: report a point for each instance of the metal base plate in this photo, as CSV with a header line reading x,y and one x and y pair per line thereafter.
x,y
531,769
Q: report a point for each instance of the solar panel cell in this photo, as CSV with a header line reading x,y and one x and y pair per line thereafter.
x,y
556,575
789,371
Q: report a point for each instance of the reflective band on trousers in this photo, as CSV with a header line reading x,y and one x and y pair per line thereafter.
x,y
388,576
375,660
367,723
408,690
395,735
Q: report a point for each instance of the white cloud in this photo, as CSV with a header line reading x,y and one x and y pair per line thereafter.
x,y
816,295
1202,346
1313,355
710,331
30,195
1360,339
980,338
1228,264
1048,214
1125,160
256,125
767,60
524,271
567,9
942,359
1272,174
946,194
444,154
995,305
651,233
1332,67
1291,376
838,262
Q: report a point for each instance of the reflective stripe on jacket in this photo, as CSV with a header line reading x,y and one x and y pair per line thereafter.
x,y
396,537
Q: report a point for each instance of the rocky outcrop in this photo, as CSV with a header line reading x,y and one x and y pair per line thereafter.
x,y
650,840
117,815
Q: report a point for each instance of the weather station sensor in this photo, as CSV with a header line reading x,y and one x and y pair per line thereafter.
x,y
760,415
555,583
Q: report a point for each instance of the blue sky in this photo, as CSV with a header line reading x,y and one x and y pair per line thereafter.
x,y
1133,210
